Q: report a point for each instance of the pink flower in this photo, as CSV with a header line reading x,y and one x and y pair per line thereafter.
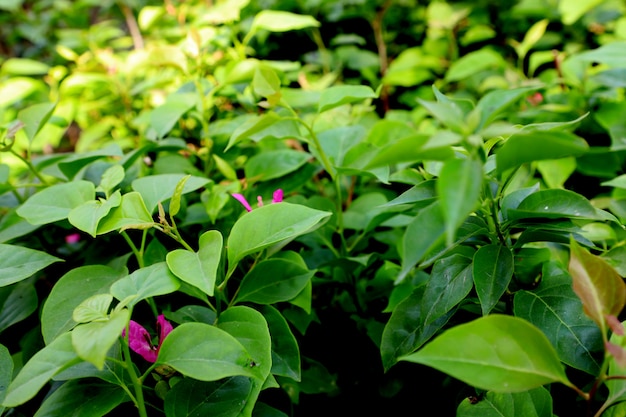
x,y
277,197
140,342
72,238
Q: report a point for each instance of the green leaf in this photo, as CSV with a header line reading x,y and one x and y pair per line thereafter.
x,y
555,309
164,117
224,398
145,282
421,235
616,386
536,402
82,398
494,103
111,178
416,148
94,308
161,187
473,63
205,353
533,35
130,214
406,329
23,66
92,341
18,263
88,215
600,288
496,352
344,94
459,186
252,126
285,350
198,268
450,282
176,197
250,328
69,292
281,21
17,302
273,281
46,363
6,373
525,147
266,83
571,11
492,270
268,225
56,202
269,165
554,204
35,117
74,162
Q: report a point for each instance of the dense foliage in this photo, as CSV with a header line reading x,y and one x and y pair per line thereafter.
x,y
286,207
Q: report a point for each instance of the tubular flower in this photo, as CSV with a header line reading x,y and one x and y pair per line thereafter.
x,y
277,197
140,342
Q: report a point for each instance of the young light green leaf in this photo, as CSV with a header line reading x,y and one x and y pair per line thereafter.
x,y
493,104
266,83
533,35
459,186
178,194
492,272
281,21
18,263
145,282
344,94
46,363
111,178
92,341
161,187
67,294
571,11
538,145
35,117
555,309
198,268
94,308
88,215
268,225
56,202
600,288
206,353
130,214
496,352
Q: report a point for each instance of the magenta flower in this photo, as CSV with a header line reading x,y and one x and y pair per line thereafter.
x,y
277,197
140,342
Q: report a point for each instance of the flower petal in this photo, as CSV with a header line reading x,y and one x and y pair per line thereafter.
x,y
277,197
242,200
140,342
164,328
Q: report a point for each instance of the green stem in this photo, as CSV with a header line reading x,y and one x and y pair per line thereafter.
x,y
30,167
137,382
138,254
